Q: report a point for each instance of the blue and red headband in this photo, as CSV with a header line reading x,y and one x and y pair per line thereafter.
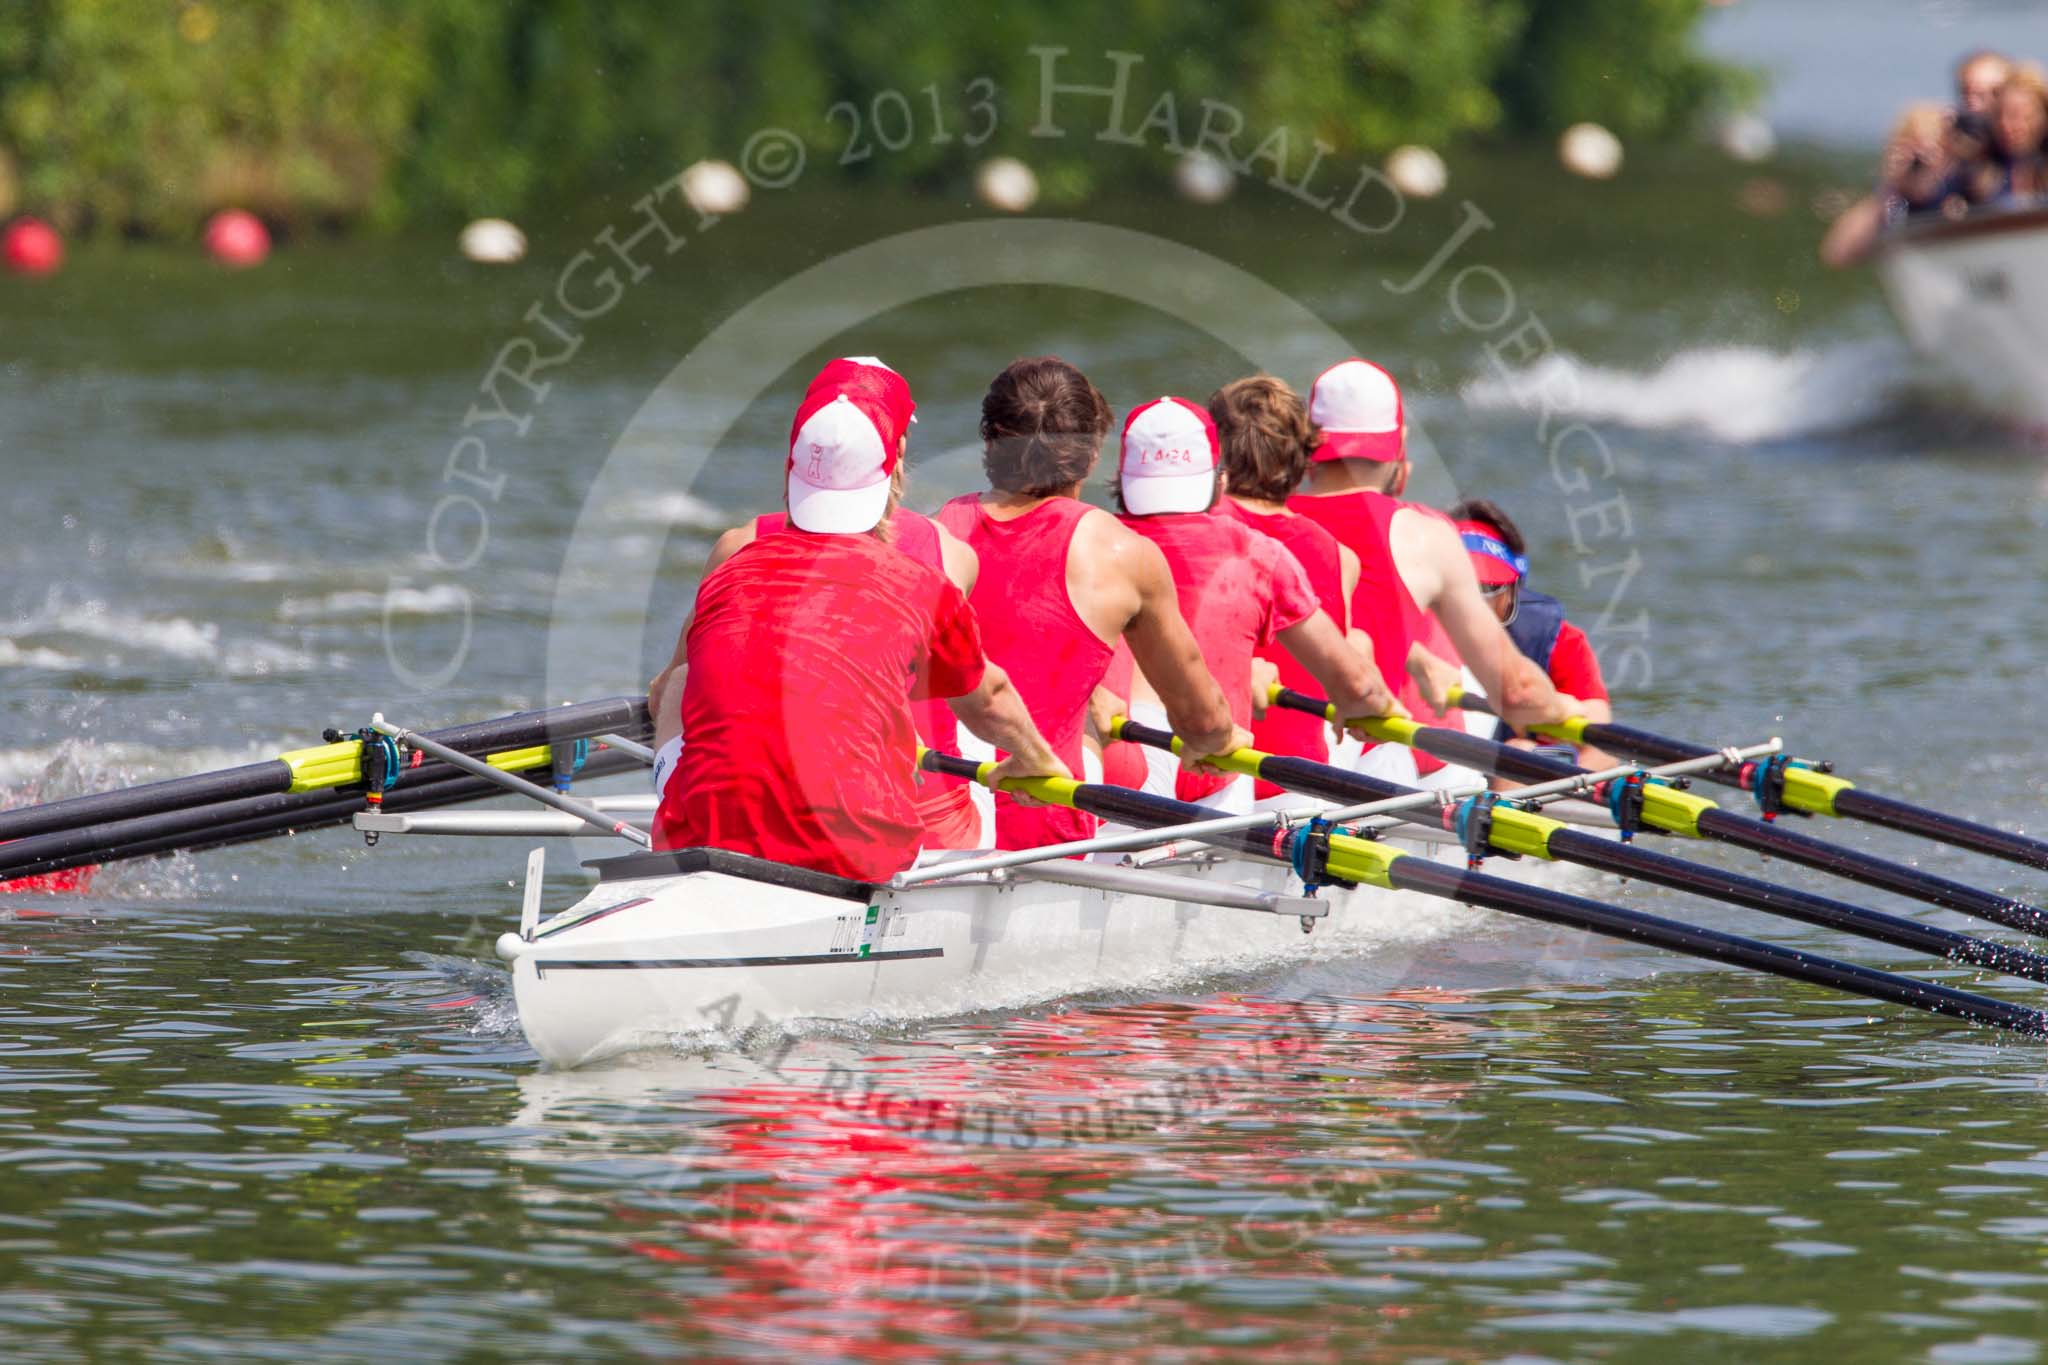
x,y
1492,560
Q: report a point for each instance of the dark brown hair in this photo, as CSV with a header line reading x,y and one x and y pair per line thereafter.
x,y
1489,514
1042,425
1266,436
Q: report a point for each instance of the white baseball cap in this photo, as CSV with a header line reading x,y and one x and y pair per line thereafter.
x,y
1170,454
843,448
1358,406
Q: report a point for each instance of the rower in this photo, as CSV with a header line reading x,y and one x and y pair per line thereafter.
x,y
1061,582
1415,583
1239,590
803,654
1534,620
956,814
1265,435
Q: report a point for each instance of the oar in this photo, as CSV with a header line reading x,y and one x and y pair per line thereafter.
x,y
455,758
1507,829
1790,784
1347,858
1672,811
256,817
338,764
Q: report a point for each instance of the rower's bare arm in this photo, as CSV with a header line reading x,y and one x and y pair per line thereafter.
x,y
962,564
1347,678
1104,706
996,712
1852,237
1520,691
665,704
1171,660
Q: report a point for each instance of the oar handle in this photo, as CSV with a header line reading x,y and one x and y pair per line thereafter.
x,y
1053,791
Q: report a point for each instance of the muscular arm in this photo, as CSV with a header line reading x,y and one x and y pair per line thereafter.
x,y
997,713
1348,678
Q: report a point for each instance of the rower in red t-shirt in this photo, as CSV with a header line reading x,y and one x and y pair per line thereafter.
x,y
803,654
1062,583
1239,589
956,814
1414,576
1534,620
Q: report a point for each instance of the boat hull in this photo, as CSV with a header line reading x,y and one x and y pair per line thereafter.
x,y
716,951
1972,297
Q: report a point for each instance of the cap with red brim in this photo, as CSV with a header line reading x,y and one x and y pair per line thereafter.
x,y
1357,405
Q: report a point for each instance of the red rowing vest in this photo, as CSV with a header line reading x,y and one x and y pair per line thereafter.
x,y
1317,551
1030,628
1237,590
1381,605
943,803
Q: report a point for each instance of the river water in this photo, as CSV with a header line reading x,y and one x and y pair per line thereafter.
x,y
272,1102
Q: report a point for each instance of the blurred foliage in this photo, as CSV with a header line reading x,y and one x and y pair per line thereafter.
x,y
145,115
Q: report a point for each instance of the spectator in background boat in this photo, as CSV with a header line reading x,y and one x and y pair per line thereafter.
x,y
803,654
1062,582
1926,168
1239,587
1979,77
1534,620
2019,127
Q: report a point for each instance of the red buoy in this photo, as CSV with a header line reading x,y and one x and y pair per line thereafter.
x,y
31,246
237,238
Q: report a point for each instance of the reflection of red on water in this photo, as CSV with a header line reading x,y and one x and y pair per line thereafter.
x,y
859,1227
71,880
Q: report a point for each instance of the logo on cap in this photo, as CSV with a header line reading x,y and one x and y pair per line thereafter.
x,y
1169,458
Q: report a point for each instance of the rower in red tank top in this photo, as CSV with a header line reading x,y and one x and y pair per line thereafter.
x,y
1029,625
1240,590
1062,583
1415,582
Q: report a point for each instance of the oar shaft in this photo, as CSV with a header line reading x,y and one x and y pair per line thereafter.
x,y
1679,874
1711,822
274,776
1629,860
1393,869
1494,893
455,758
1857,804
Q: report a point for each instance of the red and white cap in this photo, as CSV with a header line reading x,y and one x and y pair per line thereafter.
x,y
1358,406
867,374
843,448
1170,454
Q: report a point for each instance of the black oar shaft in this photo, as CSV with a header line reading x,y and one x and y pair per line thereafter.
x,y
239,821
526,728
1853,803
1857,804
1553,907
1661,869
1632,860
1494,893
1519,765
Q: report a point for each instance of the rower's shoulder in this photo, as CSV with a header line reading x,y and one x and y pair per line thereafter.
x,y
728,544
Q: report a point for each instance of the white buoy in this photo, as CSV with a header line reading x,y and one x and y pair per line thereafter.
x,y
1417,172
1588,149
492,241
1006,183
1203,177
1748,137
715,188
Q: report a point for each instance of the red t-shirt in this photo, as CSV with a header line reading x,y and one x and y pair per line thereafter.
x,y
804,655
1573,666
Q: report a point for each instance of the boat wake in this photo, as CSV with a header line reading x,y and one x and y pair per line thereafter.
x,y
1743,395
